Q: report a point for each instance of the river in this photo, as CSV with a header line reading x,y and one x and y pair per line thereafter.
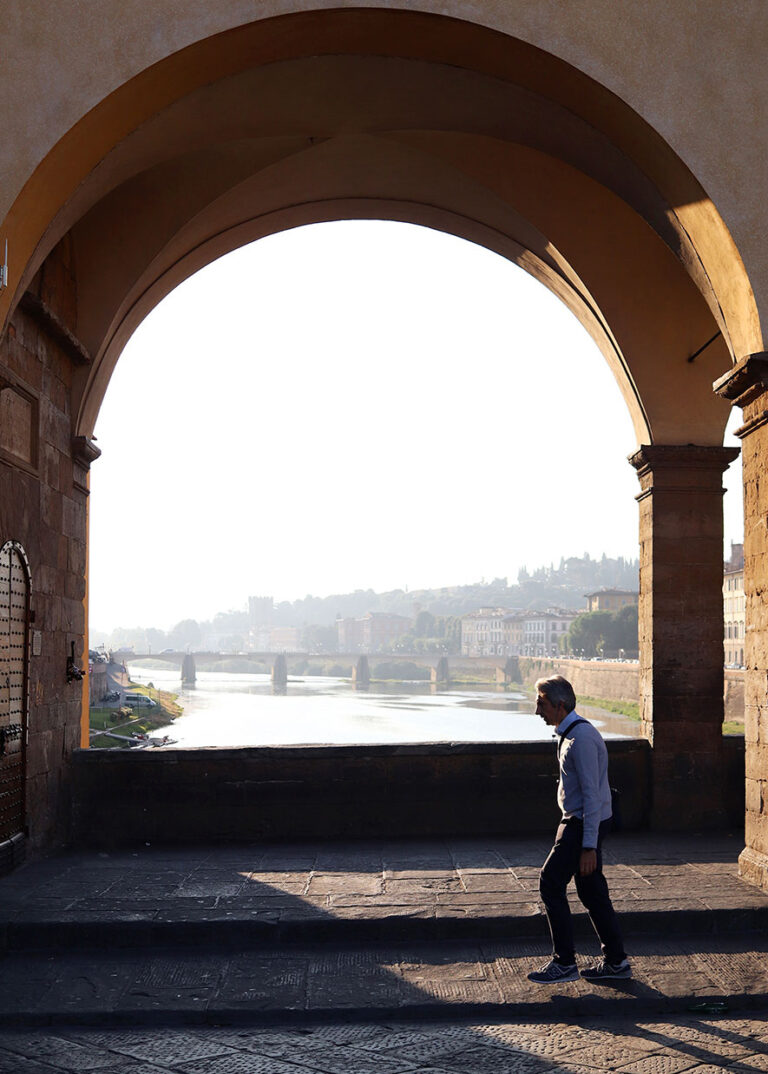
x,y
226,709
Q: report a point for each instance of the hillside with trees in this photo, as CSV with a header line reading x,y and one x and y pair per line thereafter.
x,y
561,586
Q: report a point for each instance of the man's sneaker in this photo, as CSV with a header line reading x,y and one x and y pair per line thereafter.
x,y
554,973
606,971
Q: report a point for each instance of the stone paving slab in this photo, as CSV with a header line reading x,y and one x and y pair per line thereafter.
x,y
351,892
450,981
686,1042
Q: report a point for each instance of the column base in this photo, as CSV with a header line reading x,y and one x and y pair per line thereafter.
x,y
753,867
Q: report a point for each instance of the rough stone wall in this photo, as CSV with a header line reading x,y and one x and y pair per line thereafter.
x,y
183,796
753,862
41,507
177,796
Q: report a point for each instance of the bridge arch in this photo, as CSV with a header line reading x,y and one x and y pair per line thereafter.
x,y
328,115
530,132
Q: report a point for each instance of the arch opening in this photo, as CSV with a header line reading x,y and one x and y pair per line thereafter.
x,y
378,449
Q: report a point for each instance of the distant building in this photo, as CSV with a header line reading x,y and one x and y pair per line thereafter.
x,y
273,639
610,600
514,632
349,635
499,632
284,639
482,632
542,632
260,610
374,632
734,607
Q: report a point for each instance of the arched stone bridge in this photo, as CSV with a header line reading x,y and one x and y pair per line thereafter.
x,y
441,665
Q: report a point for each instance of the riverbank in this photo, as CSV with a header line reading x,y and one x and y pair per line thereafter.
x,y
125,723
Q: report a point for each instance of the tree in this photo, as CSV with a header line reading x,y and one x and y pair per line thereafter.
x,y
424,627
625,628
320,639
588,632
594,632
187,634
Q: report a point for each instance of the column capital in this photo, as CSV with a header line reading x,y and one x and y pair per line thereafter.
x,y
746,381
653,458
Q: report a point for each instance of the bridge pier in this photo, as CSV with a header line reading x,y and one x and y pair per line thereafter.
x,y
509,673
188,670
280,674
361,673
441,673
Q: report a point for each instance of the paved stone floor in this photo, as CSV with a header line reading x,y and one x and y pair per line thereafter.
x,y
693,1042
386,956
304,890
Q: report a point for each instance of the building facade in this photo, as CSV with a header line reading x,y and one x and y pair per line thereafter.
x,y
542,632
374,632
496,632
610,600
734,607
482,632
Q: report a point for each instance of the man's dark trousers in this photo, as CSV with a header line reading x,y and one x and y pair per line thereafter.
x,y
558,870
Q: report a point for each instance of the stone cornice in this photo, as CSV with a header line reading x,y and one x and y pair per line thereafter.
x,y
747,381
84,452
681,469
655,457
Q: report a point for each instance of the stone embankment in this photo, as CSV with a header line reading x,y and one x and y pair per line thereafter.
x,y
619,681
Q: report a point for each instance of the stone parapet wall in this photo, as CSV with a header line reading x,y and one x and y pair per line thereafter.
x,y
181,796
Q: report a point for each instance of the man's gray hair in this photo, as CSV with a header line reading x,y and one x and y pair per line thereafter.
x,y
557,690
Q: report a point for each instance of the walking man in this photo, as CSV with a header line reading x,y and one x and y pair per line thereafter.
x,y
584,797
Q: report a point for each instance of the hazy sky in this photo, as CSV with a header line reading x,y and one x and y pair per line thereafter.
x,y
354,405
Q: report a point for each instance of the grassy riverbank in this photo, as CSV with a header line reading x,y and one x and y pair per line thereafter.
x,y
124,721
631,709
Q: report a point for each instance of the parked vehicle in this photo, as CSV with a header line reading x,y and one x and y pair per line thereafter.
x,y
138,701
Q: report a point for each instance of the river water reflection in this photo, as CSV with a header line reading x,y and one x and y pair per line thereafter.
x,y
225,709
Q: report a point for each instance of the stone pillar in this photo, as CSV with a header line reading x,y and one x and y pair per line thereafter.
x,y
746,385
280,672
441,673
188,670
681,629
361,673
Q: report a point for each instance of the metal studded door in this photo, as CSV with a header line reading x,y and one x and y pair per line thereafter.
x,y
14,656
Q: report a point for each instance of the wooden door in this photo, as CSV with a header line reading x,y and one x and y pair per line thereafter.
x,y
14,664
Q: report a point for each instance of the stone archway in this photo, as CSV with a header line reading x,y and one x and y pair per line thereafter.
x,y
239,128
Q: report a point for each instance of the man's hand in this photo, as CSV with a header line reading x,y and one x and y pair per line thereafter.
x,y
587,862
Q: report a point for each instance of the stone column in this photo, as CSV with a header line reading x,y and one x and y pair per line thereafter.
x,y
746,385
681,629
